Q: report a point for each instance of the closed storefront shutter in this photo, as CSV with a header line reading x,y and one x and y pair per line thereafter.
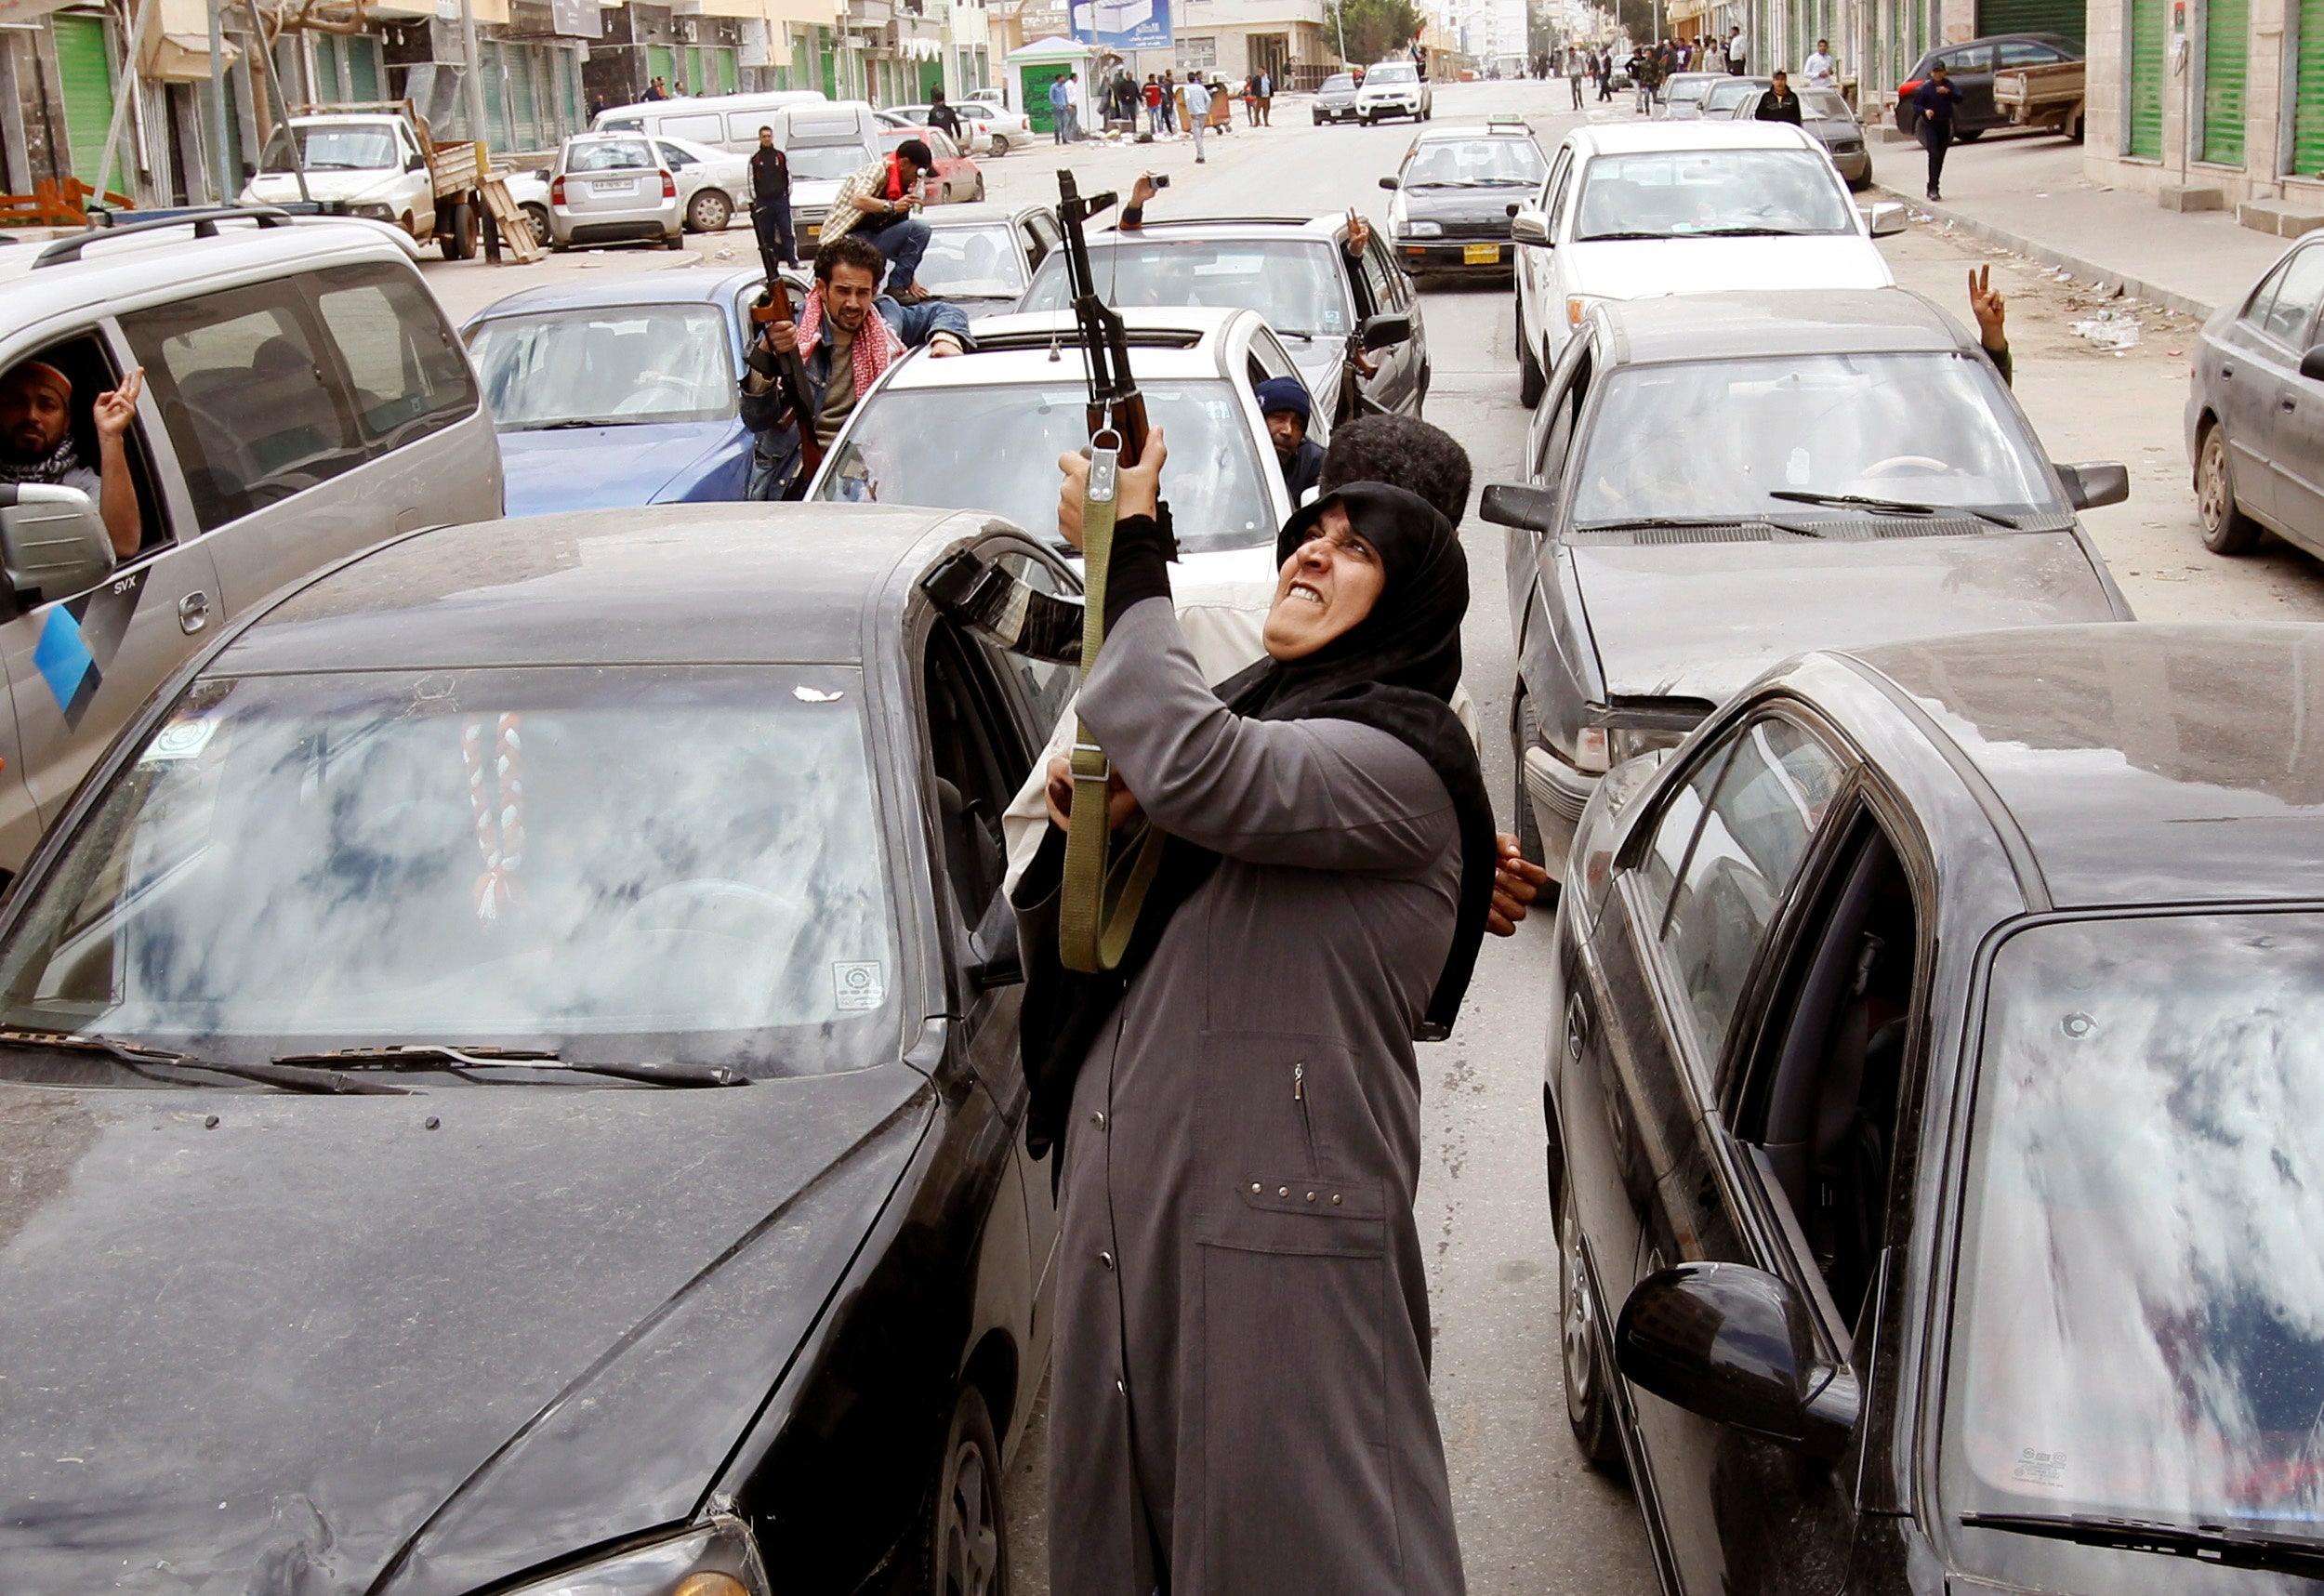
x,y
362,68
2145,75
2307,120
729,70
496,95
657,63
523,103
88,96
327,67
2064,18
2226,48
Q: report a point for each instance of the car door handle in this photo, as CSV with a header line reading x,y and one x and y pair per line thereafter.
x,y
1577,1026
2287,405
193,613
2226,372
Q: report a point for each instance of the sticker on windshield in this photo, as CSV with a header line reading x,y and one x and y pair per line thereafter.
x,y
1215,409
1331,321
807,694
179,741
858,985
2039,1468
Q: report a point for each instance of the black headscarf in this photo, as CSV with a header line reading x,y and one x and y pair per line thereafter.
x,y
1395,670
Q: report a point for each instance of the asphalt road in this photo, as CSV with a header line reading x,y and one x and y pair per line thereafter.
x,y
1533,1519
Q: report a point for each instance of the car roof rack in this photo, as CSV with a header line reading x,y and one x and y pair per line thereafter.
x,y
203,218
1042,338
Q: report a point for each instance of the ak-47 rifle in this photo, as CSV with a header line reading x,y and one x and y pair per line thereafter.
x,y
1098,906
790,374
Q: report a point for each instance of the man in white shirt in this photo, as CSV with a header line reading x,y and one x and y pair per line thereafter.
x,y
1819,70
1073,106
1197,109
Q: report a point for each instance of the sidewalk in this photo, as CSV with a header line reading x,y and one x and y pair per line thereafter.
x,y
2027,193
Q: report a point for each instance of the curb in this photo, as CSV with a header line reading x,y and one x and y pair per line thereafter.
x,y
2154,293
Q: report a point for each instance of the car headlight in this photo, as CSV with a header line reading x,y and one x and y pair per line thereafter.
x,y
719,1560
376,212
1625,744
1423,229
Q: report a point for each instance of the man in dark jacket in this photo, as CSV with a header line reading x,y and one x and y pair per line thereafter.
x,y
1779,104
771,202
1932,106
1284,401
943,118
850,334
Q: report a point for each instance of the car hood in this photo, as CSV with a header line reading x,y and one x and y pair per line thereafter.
x,y
599,468
260,1344
1642,268
1831,129
1463,205
1701,620
282,187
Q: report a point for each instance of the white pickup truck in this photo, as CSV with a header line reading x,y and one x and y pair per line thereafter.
x,y
376,160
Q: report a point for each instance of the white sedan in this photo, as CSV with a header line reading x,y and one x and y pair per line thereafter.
x,y
1637,210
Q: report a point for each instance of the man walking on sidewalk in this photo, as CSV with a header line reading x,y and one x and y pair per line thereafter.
x,y
1933,105
1574,71
1197,110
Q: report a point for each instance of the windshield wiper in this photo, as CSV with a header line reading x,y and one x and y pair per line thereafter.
x,y
436,1055
1604,237
144,1059
2212,1543
1643,523
1894,506
1749,232
573,422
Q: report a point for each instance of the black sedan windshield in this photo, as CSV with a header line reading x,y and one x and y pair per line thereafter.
x,y
646,864
966,448
1295,284
1727,438
2138,1329
1693,194
1474,163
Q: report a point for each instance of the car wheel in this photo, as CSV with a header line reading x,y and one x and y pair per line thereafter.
x,y
980,188
1319,120
2226,530
1969,136
1521,736
675,239
710,211
1532,382
1000,146
536,218
963,1541
1588,1405
2075,132
456,223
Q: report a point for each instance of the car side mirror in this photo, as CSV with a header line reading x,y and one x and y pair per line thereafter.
x,y
53,542
1390,183
1887,218
1512,503
2312,364
1528,224
416,163
2101,483
1738,1346
993,960
1386,328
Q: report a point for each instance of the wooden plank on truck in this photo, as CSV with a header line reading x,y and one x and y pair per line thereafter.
x,y
516,228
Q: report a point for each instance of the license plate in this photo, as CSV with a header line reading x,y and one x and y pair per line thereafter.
x,y
1481,254
621,186
814,229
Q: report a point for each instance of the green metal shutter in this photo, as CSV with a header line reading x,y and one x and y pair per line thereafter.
x,y
729,70
363,67
2064,18
87,75
496,95
657,64
2145,73
2307,119
326,69
524,132
2226,52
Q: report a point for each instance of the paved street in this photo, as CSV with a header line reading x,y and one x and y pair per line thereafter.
x,y
1532,1518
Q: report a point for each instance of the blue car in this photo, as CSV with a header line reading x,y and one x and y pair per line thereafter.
x,y
618,391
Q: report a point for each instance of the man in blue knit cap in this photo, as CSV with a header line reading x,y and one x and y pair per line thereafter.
x,y
1284,401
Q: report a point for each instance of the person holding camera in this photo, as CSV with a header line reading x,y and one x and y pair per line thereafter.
x,y
1239,1391
880,201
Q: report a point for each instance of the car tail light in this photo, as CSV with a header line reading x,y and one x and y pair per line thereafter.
x,y
669,187
557,190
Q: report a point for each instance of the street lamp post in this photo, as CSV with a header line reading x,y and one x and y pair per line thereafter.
x,y
472,71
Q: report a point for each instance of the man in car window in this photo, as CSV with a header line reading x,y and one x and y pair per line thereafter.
x,y
1284,401
1933,105
851,333
1779,104
771,202
876,202
37,443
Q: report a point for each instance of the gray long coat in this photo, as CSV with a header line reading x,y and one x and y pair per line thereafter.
x,y
1240,1390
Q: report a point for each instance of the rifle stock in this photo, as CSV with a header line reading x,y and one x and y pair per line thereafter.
x,y
790,374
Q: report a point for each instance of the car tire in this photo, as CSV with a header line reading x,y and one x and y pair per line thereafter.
x,y
1532,380
1000,146
1589,1405
980,188
1318,119
710,211
674,240
1526,825
2226,530
1969,136
457,226
536,218
961,1547
2075,132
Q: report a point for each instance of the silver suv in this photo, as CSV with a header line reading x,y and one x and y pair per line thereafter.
x,y
304,398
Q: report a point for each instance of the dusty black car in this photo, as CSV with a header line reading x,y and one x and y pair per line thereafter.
x,y
507,1081
1720,481
1456,192
1931,1134
1973,66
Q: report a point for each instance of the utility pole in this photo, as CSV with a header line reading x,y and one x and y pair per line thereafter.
x,y
221,171
1340,15
472,73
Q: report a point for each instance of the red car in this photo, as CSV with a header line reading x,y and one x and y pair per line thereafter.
x,y
957,179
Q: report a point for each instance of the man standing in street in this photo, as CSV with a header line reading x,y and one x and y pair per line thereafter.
x,y
37,444
1736,53
1932,106
771,202
1779,104
851,333
1073,108
1197,110
1058,109
1819,70
1606,76
1266,97
876,202
943,118
1574,74
1640,66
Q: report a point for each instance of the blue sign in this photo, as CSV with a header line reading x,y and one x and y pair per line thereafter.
x,y
1122,24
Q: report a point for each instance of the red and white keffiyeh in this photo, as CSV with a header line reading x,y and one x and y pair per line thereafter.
x,y
875,347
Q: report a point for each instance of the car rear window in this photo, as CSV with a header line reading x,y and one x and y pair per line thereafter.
x,y
610,155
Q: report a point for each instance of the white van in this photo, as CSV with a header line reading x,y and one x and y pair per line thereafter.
x,y
826,142
722,121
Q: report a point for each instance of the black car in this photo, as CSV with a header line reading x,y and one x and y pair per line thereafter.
x,y
1972,67
507,1079
1455,195
1931,1129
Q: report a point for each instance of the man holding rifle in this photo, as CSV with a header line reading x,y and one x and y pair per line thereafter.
x,y
846,335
